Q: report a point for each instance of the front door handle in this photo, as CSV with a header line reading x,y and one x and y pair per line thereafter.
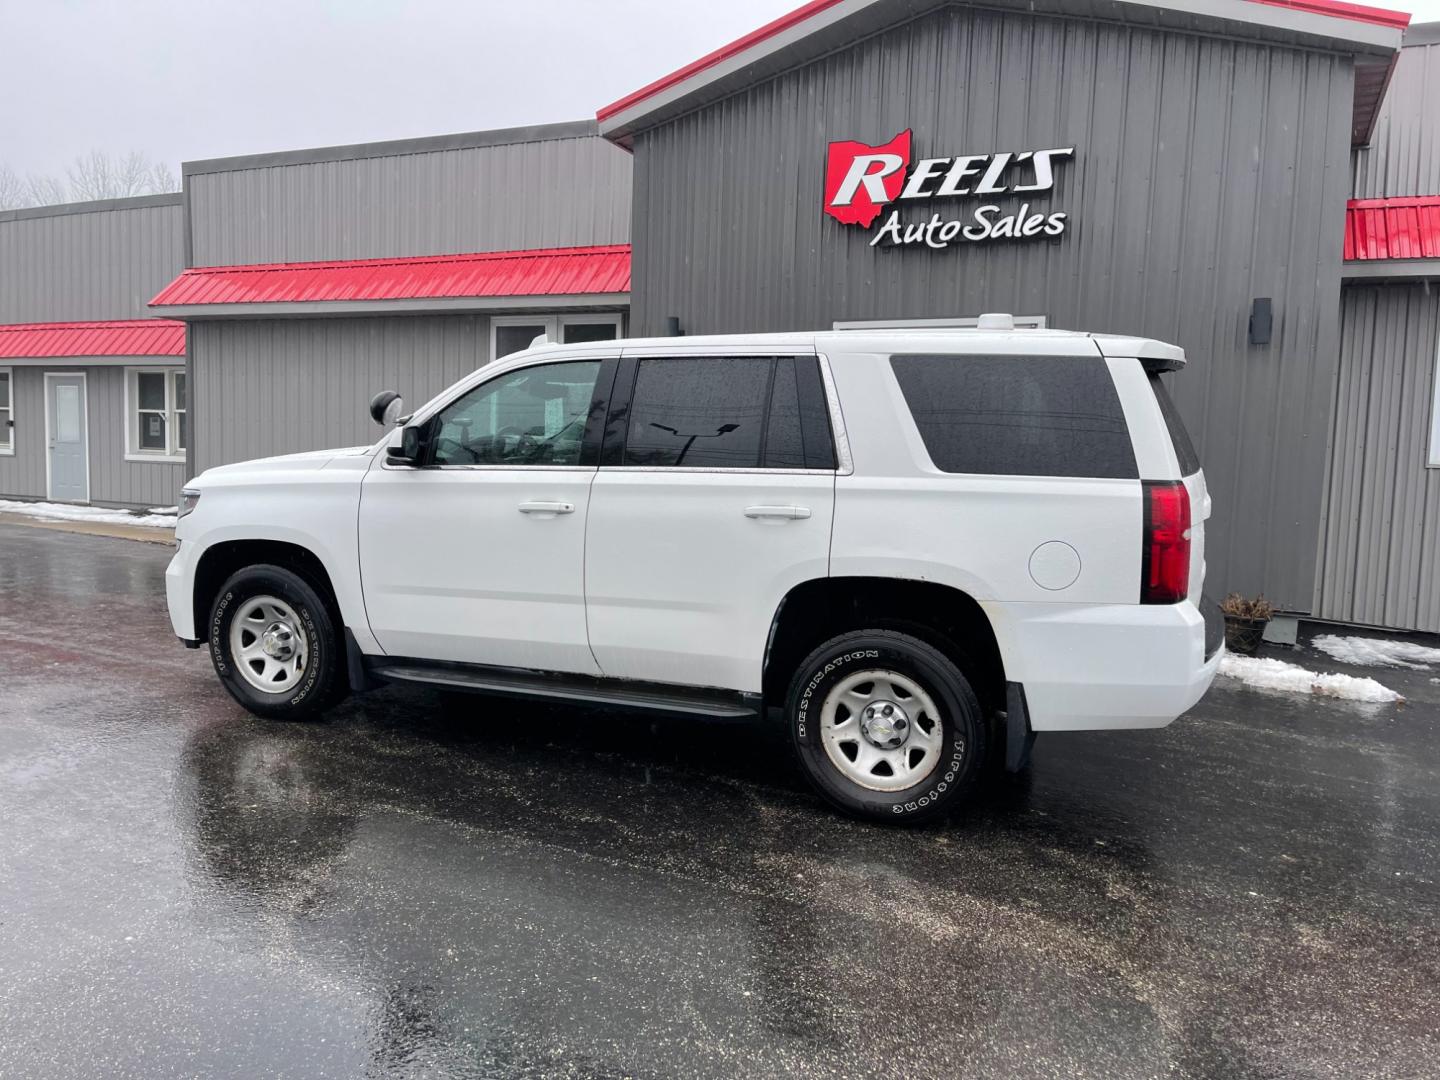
x,y
786,513
547,508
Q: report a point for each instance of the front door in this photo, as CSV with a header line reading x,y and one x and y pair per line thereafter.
x,y
480,557
68,449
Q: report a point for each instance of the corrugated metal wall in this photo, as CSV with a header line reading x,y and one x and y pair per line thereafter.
x,y
551,193
280,386
1403,157
1380,547
58,266
1208,172
112,478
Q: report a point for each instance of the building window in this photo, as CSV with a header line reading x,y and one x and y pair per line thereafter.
x,y
7,412
512,333
155,410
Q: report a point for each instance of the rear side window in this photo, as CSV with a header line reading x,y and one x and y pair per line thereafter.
x,y
1018,415
732,412
1179,436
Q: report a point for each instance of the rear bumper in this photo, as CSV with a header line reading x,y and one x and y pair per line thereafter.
x,y
1095,667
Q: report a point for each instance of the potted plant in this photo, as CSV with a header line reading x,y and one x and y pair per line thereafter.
x,y
1245,621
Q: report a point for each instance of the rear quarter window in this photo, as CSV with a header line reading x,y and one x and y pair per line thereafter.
x,y
1179,434
1018,415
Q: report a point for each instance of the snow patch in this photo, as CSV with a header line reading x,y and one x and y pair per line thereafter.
x,y
97,515
1380,652
164,510
1266,674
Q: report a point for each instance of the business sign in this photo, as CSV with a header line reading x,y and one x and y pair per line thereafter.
x,y
861,181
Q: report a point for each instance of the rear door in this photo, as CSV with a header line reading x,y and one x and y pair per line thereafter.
x,y
714,498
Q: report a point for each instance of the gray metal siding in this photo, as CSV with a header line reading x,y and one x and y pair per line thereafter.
x,y
268,387
1380,546
552,193
1208,172
101,265
112,479
1403,157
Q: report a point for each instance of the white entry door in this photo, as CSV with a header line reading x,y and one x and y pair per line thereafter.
x,y
67,447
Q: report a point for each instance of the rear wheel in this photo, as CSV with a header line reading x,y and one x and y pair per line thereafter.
x,y
274,644
886,726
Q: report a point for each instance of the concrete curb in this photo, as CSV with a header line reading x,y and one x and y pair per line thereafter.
x,y
144,533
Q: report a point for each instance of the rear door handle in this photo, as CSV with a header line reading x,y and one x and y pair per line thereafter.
x,y
547,508
786,513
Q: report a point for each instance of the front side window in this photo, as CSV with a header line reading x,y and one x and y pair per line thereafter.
x,y
533,416
157,410
1018,415
7,412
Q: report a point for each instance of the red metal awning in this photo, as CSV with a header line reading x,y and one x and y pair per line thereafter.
x,y
576,271
126,337
1407,228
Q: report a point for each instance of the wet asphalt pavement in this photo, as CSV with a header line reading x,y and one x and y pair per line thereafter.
x,y
433,886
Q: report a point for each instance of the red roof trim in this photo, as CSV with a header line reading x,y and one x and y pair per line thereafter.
x,y
1333,8
120,337
576,271
1397,228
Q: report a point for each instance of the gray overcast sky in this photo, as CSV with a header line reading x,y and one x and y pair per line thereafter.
x,y
184,80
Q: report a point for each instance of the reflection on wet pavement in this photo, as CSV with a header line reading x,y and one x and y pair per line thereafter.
x,y
186,890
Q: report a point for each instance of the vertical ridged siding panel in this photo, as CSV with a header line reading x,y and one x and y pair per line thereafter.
x,y
106,264
554,193
1207,172
281,386
1380,546
112,478
1403,157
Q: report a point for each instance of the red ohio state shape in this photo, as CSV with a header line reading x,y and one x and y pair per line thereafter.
x,y
843,157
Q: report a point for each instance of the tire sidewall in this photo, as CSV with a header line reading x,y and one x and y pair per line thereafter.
x,y
960,722
308,696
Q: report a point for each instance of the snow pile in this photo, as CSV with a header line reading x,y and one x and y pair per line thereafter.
x,y
1265,674
164,511
97,515
1382,652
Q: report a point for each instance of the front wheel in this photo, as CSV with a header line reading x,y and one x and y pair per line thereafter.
x,y
886,726
274,644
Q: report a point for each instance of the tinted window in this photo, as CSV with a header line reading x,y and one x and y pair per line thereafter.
x,y
534,416
1018,415
784,437
1179,436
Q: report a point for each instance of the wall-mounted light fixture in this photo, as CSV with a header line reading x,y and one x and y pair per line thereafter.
x,y
1261,320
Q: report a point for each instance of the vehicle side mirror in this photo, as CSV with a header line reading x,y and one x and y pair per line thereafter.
x,y
385,408
414,445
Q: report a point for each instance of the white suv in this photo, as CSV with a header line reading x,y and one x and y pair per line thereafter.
x,y
920,545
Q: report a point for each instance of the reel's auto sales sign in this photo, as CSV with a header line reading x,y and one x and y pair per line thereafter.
x,y
862,180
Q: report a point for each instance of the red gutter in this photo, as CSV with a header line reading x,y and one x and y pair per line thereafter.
x,y
1338,9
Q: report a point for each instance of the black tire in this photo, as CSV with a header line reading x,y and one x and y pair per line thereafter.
x,y
322,683
961,721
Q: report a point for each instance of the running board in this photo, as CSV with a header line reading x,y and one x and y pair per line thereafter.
x,y
622,693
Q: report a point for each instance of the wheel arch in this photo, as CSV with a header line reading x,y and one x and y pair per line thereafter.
x,y
946,617
224,558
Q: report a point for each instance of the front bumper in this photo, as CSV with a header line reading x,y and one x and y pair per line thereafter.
x,y
180,591
1106,666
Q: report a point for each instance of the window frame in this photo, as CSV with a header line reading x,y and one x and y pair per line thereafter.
x,y
617,424
554,324
7,426
1432,461
594,424
172,454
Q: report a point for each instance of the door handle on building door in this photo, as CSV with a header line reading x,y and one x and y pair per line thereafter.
x,y
783,513
547,508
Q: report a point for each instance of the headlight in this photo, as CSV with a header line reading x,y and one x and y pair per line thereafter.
x,y
189,498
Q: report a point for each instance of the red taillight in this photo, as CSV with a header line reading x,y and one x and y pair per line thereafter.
x,y
1165,564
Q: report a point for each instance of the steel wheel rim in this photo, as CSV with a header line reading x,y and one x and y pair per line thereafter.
x,y
856,741
268,645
